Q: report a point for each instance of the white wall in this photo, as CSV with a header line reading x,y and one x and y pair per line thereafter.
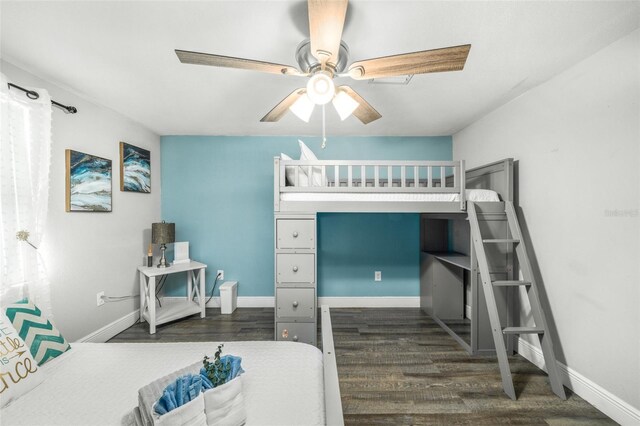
x,y
90,252
576,139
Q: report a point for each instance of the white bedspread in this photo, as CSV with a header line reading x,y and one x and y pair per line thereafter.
x,y
97,383
471,195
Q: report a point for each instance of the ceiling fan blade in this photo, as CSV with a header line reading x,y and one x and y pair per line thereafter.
x,y
281,109
326,21
436,60
365,112
187,57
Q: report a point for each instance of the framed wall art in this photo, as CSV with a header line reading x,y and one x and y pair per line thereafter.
x,y
135,168
88,179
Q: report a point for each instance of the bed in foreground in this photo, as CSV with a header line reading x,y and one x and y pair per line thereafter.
x,y
97,384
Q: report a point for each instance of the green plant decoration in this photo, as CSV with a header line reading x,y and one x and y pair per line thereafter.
x,y
216,371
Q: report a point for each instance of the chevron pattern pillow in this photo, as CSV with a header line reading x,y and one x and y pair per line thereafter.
x,y
43,340
18,370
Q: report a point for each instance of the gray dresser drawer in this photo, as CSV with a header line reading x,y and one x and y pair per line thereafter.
x,y
298,303
295,233
295,267
304,332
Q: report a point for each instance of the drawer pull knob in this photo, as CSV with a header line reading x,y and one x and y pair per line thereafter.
x,y
295,338
295,234
295,304
295,269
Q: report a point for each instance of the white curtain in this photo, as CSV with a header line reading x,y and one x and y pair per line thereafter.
x,y
25,156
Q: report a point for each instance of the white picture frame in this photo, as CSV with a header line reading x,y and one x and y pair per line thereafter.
x,y
181,252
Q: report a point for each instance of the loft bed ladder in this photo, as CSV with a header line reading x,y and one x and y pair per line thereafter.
x,y
540,328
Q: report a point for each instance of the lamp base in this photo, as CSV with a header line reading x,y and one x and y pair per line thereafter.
x,y
163,260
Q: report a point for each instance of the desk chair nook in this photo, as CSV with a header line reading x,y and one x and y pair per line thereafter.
x,y
461,215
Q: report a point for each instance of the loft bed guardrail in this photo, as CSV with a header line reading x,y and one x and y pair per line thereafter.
x,y
373,177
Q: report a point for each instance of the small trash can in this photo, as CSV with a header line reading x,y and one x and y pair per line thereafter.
x,y
228,297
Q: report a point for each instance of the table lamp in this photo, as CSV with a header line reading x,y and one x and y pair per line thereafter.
x,y
163,233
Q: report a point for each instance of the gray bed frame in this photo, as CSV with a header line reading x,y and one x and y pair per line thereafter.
x,y
298,221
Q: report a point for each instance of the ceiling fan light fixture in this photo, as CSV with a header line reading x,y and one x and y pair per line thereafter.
x,y
320,88
344,104
303,108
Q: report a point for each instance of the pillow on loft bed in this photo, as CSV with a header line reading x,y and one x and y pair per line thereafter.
x,y
303,176
316,172
43,340
18,369
290,173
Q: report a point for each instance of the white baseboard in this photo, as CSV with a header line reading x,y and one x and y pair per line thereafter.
x,y
243,301
370,302
332,302
602,399
110,330
252,302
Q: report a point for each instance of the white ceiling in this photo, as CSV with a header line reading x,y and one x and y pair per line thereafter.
x,y
120,54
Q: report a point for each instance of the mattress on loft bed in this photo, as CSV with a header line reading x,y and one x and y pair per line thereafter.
x,y
97,383
477,195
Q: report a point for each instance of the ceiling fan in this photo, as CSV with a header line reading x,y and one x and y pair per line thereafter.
x,y
324,57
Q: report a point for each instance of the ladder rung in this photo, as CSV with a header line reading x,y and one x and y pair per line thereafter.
x,y
501,240
522,330
509,283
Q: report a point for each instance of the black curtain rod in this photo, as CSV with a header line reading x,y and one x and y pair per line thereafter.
x,y
32,94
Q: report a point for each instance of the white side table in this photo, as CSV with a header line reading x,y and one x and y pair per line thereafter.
x,y
171,310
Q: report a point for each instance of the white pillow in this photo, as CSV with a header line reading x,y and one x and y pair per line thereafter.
x,y
20,372
290,173
316,172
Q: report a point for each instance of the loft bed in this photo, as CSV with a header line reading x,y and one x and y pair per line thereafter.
x,y
438,190
388,186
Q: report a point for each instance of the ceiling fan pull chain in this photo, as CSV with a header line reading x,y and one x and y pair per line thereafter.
x,y
324,131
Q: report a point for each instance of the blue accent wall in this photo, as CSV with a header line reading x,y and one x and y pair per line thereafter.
x,y
219,192
352,246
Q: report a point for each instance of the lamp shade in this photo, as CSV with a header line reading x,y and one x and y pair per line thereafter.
x,y
163,233
344,104
303,108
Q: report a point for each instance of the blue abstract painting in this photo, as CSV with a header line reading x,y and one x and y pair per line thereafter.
x,y
135,168
88,182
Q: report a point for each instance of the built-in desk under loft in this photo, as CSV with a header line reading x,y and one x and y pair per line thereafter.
x,y
450,285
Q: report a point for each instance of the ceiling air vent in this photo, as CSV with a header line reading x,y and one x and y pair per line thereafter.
x,y
401,80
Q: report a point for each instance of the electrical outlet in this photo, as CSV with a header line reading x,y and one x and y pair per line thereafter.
x,y
99,298
220,274
377,276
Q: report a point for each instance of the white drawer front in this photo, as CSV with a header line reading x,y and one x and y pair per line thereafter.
x,y
296,303
304,332
295,268
296,233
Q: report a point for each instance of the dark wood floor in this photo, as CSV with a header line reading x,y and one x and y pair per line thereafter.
x,y
398,367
